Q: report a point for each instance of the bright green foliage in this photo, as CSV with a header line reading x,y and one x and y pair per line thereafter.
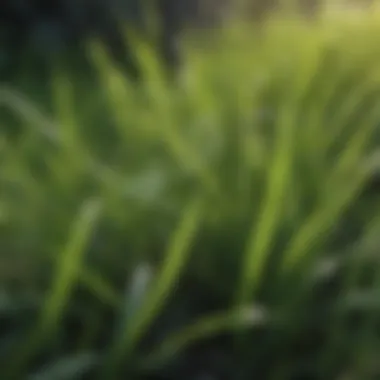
x,y
239,201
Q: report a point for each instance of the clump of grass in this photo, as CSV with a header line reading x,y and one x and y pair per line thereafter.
x,y
229,203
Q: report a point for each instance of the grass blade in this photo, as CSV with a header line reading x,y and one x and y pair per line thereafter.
x,y
173,265
206,327
339,195
261,237
68,267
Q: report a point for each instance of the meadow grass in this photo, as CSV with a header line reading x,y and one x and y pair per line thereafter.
x,y
149,227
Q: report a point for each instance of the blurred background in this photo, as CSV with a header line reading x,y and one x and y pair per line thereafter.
x,y
189,189
44,28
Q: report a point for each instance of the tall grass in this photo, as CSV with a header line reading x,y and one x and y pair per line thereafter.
x,y
229,203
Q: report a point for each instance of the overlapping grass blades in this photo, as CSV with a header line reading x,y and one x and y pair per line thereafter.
x,y
132,329
68,267
255,161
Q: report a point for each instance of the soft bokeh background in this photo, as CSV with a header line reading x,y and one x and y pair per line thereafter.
x,y
189,189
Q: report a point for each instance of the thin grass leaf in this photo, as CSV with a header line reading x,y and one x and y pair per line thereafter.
x,y
97,285
135,296
357,259
28,112
69,263
340,195
100,287
63,97
68,267
188,159
174,262
205,328
352,156
318,226
120,94
50,130
260,239
351,105
368,301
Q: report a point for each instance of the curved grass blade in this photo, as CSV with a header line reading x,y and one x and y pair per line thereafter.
x,y
69,263
351,105
174,261
344,182
205,328
99,287
29,113
262,235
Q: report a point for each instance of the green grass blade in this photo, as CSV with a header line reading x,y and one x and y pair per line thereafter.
x,y
69,263
63,97
261,237
343,185
99,287
30,114
206,327
359,255
351,105
174,262
68,266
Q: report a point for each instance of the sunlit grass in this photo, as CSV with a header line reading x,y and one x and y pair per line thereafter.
x,y
240,177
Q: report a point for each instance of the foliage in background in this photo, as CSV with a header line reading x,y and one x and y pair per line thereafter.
x,y
34,32
223,226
